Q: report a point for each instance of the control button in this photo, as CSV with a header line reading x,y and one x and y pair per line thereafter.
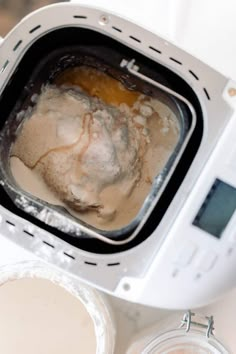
x,y
175,273
230,251
185,255
198,276
206,261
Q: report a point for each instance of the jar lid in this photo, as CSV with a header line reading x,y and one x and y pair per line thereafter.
x,y
194,336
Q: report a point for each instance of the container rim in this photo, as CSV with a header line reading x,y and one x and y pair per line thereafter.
x,y
180,339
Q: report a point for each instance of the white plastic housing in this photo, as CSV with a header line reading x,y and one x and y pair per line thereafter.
x,y
149,272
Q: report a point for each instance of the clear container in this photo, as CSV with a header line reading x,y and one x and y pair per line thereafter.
x,y
194,334
95,303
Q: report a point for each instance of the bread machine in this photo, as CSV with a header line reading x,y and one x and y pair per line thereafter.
x,y
179,252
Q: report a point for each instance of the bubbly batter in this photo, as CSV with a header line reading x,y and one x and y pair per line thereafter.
x,y
94,147
39,317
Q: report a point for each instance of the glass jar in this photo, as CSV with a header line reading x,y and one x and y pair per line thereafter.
x,y
194,334
91,302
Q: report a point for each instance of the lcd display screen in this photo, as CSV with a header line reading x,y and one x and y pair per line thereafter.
x,y
217,209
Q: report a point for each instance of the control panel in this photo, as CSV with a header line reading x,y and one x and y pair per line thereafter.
x,y
197,261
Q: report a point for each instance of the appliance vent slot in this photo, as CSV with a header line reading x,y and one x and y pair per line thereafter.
x,y
194,75
10,223
135,39
17,45
116,29
80,17
176,61
4,66
48,244
155,49
28,233
69,255
34,29
90,263
113,264
206,93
